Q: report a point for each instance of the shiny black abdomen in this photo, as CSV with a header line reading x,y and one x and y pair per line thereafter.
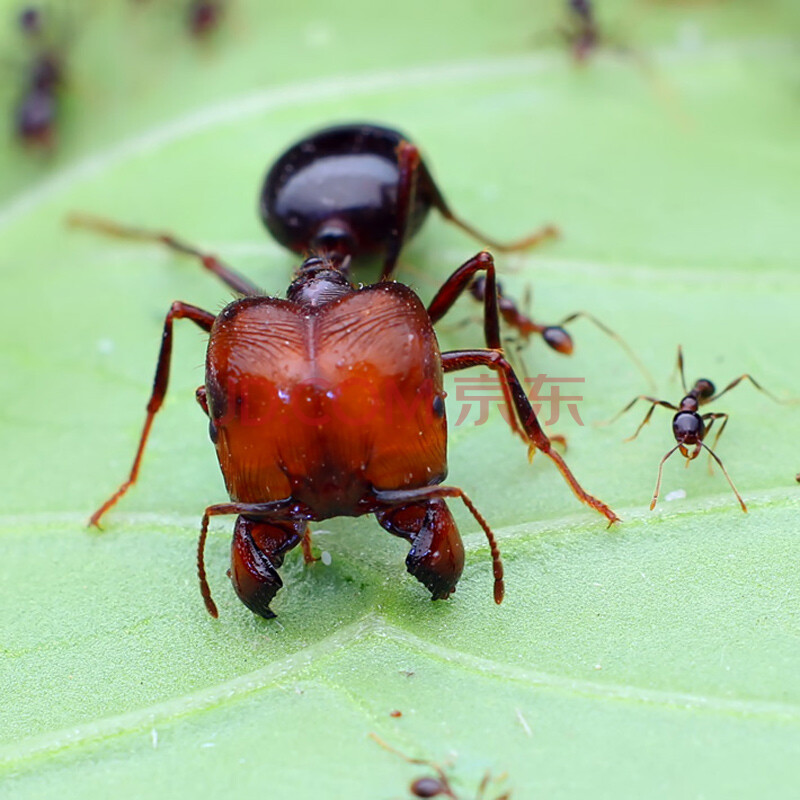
x,y
339,185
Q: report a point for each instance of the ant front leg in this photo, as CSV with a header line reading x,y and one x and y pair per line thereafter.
x,y
226,274
653,400
204,320
436,558
520,405
454,287
711,417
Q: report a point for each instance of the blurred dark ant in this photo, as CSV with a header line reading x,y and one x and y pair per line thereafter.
x,y
203,16
36,113
580,30
689,427
439,785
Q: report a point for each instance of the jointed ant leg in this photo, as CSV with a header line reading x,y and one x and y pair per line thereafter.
x,y
755,383
537,439
427,184
202,319
653,400
725,472
658,481
408,161
226,274
453,288
615,336
308,553
712,417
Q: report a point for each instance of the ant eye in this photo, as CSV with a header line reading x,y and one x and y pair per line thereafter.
x,y
558,339
438,406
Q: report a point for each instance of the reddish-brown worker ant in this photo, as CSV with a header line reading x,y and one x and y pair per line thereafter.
x,y
689,426
439,785
331,402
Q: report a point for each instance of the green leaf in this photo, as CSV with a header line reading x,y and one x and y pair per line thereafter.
x,y
656,659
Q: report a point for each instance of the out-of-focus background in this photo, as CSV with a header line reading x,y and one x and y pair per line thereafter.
x,y
657,659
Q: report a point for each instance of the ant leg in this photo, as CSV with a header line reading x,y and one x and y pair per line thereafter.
x,y
429,187
228,276
436,558
655,402
263,534
454,287
658,481
202,319
536,437
408,161
612,334
308,553
679,368
725,472
758,386
392,499
713,417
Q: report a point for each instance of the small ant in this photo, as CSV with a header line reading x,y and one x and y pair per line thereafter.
x,y
331,402
689,427
203,16
581,31
37,110
440,786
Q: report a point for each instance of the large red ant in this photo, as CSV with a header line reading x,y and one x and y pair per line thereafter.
x,y
689,427
331,402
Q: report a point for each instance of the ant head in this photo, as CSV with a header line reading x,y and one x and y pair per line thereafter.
x,y
203,16
30,21
705,388
688,428
557,338
334,236
428,787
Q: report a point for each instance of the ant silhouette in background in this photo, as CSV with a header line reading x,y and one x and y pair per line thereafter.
x,y
439,785
689,426
36,113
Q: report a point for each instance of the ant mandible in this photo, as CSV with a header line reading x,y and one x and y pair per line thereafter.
x,y
440,786
37,110
689,427
302,394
